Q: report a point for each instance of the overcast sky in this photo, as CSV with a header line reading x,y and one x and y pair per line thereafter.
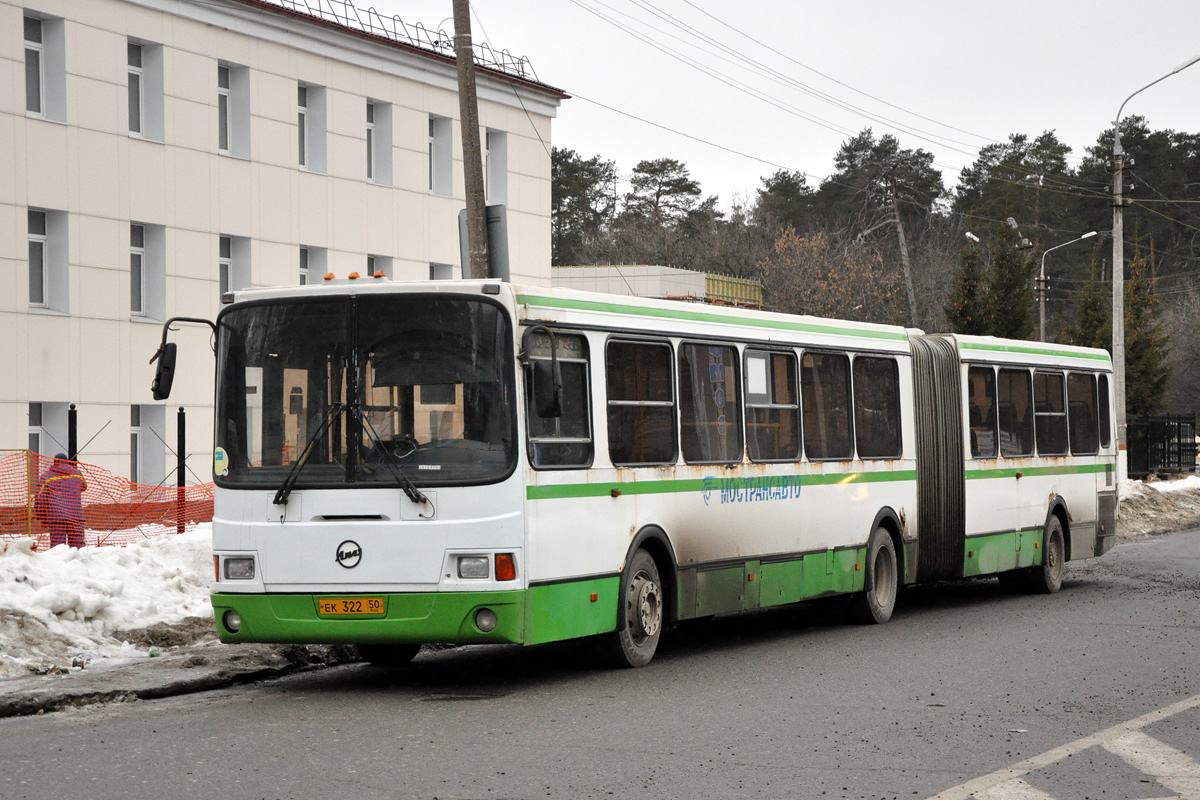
x,y
948,76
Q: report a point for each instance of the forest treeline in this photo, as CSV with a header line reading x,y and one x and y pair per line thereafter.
x,y
882,239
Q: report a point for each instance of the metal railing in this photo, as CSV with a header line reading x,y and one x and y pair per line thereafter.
x,y
374,23
1161,445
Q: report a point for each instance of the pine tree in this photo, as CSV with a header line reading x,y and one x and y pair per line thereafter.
x,y
1093,321
1146,346
968,309
1010,292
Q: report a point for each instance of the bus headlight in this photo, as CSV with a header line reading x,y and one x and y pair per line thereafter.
x,y
485,620
239,569
232,621
473,567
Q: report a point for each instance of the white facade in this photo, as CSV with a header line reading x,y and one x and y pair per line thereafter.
x,y
154,152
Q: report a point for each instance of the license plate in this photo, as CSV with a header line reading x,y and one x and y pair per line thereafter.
x,y
350,606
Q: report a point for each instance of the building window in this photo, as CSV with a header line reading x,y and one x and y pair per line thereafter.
x,y
137,269
145,90
495,167
147,448
135,435
379,264
35,92
223,109
35,427
37,258
370,141
441,272
313,260
135,87
302,122
233,110
233,264
440,157
310,126
45,68
48,259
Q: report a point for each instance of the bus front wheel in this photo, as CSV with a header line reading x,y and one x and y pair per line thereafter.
x,y
876,603
640,615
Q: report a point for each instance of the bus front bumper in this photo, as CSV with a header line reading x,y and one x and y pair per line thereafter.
x,y
416,618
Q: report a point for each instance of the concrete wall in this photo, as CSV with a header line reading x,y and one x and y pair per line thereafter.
x,y
92,173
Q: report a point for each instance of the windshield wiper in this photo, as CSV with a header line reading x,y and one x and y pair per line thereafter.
x,y
285,488
407,485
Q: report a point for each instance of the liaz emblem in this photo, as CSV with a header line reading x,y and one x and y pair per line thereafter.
x,y
349,553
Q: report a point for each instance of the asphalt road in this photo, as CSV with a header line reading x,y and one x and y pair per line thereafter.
x,y
1094,692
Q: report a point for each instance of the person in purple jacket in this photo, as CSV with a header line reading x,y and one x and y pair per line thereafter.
x,y
59,502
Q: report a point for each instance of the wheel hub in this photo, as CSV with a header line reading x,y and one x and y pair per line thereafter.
x,y
647,607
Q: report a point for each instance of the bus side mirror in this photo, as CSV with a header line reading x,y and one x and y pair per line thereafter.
x,y
164,373
547,388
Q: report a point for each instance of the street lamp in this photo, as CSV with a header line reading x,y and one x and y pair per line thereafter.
x,y
1118,277
1042,284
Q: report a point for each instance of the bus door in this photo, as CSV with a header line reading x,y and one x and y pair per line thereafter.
x,y
1015,438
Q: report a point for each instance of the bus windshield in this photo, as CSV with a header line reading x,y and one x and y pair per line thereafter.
x,y
426,382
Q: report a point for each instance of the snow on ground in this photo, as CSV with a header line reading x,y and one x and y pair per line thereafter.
x,y
1190,483
64,603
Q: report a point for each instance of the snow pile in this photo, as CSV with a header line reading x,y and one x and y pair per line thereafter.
x,y
1159,506
63,604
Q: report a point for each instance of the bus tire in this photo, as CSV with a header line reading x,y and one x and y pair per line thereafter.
x,y
640,616
388,655
874,606
1048,578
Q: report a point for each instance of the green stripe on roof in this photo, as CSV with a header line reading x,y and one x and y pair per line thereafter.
x,y
1030,350
1030,472
703,316
715,484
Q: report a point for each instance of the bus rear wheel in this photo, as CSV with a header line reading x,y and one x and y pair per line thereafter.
x,y
388,655
876,604
640,616
1048,578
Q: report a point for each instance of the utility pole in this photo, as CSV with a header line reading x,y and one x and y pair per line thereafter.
x,y
468,106
1118,299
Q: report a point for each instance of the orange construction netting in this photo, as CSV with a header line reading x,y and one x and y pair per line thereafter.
x,y
115,510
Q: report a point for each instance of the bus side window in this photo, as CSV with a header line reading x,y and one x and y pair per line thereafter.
x,y
981,411
1014,401
772,406
641,404
1050,413
564,441
1081,413
709,410
1105,413
825,398
876,407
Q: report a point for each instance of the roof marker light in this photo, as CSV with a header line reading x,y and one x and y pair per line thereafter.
x,y
328,276
353,276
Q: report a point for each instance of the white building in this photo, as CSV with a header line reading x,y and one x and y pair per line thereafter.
x,y
155,153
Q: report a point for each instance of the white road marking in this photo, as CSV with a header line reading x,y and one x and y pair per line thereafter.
x,y
1021,768
1174,770
1013,789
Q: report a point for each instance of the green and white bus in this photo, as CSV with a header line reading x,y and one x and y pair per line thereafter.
x,y
474,461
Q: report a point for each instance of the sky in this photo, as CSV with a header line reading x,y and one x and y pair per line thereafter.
x,y
947,76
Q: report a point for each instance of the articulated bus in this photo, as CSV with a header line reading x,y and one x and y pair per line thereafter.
x,y
473,461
